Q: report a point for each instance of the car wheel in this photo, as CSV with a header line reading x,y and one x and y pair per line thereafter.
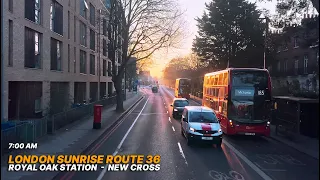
x,y
182,131
189,141
219,144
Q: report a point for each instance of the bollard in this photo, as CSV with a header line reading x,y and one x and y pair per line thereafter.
x,y
97,116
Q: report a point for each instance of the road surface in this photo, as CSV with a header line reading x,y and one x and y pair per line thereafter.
x,y
150,129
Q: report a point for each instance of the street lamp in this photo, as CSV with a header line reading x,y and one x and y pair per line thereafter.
x,y
265,38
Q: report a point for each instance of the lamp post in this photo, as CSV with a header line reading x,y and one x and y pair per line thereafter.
x,y
265,40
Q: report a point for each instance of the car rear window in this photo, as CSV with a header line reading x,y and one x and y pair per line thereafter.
x,y
181,103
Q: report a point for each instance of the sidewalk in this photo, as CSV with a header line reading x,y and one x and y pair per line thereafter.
x,y
72,139
304,144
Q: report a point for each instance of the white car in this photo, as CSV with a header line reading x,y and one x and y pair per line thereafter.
x,y
199,123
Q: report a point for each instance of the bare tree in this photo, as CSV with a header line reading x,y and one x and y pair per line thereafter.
x,y
145,26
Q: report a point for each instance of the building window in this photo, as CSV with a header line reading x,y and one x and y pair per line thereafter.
x,y
68,24
56,17
83,8
32,10
74,60
11,5
104,47
32,47
295,42
104,68
10,48
285,65
69,58
56,55
92,64
104,27
305,64
296,66
92,15
109,69
83,34
83,62
92,40
37,105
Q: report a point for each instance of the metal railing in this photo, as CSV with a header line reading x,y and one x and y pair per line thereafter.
x,y
27,131
23,131
62,119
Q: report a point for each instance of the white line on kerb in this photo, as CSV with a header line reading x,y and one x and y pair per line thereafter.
x,y
123,139
182,154
173,128
247,161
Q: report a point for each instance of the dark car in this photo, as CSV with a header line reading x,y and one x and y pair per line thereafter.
x,y
154,89
178,106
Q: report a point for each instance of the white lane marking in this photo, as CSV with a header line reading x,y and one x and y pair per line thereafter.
x,y
264,169
170,119
247,161
167,112
173,128
121,142
182,154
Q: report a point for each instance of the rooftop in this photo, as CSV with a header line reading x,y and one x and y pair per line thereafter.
x,y
198,109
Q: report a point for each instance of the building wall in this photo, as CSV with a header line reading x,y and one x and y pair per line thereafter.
x,y
17,72
286,76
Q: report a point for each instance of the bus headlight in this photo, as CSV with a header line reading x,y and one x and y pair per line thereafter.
x,y
268,123
192,130
231,123
175,109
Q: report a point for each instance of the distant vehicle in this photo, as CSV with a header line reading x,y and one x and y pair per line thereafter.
x,y
199,123
182,88
178,106
154,89
241,98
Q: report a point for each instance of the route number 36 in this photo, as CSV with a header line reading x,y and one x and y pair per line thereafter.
x,y
261,92
153,159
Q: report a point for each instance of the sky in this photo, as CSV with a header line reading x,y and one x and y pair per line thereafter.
x,y
193,9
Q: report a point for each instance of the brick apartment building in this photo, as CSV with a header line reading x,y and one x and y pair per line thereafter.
x,y
52,54
296,64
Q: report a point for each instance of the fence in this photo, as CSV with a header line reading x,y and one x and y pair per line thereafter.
x,y
62,119
27,131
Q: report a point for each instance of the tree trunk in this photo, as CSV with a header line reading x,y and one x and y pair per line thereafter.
x,y
118,87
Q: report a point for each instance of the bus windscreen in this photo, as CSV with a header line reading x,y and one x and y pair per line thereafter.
x,y
249,78
248,96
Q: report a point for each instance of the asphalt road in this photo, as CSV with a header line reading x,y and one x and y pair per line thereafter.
x,y
150,129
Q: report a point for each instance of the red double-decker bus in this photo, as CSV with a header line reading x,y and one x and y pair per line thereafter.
x,y
241,98
182,88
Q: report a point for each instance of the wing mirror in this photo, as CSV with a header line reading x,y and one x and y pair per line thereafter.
x,y
184,119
